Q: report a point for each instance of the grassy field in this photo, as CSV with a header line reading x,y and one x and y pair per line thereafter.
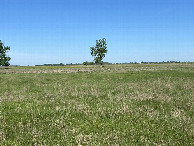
x,y
92,105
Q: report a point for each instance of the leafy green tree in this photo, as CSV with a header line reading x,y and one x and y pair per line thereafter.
x,y
4,59
99,51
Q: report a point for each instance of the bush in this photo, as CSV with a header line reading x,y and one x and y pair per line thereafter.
x,y
88,63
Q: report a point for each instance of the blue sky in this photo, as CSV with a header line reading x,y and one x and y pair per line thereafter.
x,y
55,31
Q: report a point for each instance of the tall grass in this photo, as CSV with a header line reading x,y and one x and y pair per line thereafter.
x,y
114,105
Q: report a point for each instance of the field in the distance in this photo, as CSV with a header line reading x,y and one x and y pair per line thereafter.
x,y
92,105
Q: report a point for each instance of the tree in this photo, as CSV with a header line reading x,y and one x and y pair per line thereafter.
x,y
4,59
99,51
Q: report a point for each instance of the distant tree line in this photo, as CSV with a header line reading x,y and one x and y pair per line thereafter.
x,y
60,64
160,62
144,62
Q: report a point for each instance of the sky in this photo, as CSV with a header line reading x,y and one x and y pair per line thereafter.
x,y
62,31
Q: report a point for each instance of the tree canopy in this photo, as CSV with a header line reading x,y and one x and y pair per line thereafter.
x,y
4,59
99,51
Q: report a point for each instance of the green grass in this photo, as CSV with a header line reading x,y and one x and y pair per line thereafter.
x,y
113,105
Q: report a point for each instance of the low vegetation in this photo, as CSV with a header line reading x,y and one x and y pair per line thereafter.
x,y
90,105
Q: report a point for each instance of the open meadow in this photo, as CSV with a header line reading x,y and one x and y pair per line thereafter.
x,y
91,105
